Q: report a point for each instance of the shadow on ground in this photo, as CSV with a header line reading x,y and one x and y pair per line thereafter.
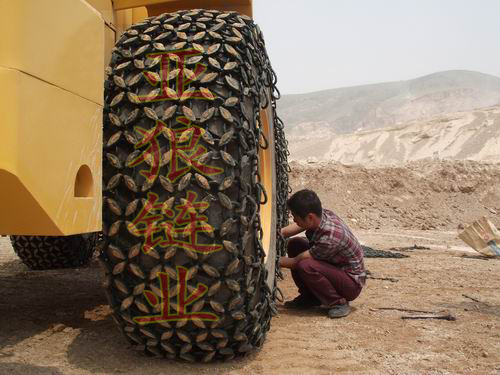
x,y
100,347
44,302
34,301
25,369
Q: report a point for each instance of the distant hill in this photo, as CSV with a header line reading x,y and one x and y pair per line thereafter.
x,y
350,109
469,135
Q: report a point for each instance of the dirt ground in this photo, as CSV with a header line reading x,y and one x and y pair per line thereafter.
x,y
57,322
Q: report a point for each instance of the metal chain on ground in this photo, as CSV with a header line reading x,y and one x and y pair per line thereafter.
x,y
374,253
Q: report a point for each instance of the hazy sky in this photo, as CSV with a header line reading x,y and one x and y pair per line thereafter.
x,y
322,44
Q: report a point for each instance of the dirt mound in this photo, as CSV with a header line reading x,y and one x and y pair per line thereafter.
x,y
417,195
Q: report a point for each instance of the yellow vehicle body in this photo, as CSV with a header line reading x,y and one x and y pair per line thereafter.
x,y
52,59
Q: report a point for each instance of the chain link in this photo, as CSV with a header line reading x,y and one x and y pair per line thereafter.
x,y
268,76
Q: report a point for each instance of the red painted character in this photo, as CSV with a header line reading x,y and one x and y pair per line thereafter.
x,y
152,222
152,151
182,301
187,224
183,77
189,152
184,148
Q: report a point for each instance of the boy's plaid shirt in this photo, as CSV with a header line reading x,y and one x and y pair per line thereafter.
x,y
334,243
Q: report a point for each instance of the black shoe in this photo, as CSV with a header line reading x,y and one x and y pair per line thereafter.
x,y
301,302
339,311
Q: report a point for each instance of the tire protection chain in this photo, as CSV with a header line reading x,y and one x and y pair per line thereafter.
x,y
281,165
265,90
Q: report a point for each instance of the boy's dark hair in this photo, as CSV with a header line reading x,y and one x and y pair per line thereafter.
x,y
304,202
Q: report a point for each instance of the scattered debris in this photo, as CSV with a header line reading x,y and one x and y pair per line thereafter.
x,y
474,299
483,237
391,279
480,257
404,310
410,248
441,317
492,210
428,314
373,253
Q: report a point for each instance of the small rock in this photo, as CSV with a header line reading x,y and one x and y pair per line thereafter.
x,y
58,327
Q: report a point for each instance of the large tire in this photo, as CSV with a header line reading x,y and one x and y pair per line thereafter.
x,y
50,252
240,278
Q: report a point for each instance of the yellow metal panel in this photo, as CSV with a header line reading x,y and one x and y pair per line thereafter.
x,y
19,206
58,41
105,7
138,14
127,4
156,7
9,114
50,134
109,43
125,18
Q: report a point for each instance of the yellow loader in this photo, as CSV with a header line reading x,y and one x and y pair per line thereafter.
x,y
150,127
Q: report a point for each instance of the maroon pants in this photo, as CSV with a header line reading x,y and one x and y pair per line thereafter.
x,y
320,281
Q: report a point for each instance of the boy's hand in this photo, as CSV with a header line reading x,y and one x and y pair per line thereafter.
x,y
287,262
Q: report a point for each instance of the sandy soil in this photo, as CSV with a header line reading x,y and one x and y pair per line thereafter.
x,y
57,322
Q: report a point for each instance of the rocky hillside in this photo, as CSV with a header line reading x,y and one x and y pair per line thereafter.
x,y
472,135
350,109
